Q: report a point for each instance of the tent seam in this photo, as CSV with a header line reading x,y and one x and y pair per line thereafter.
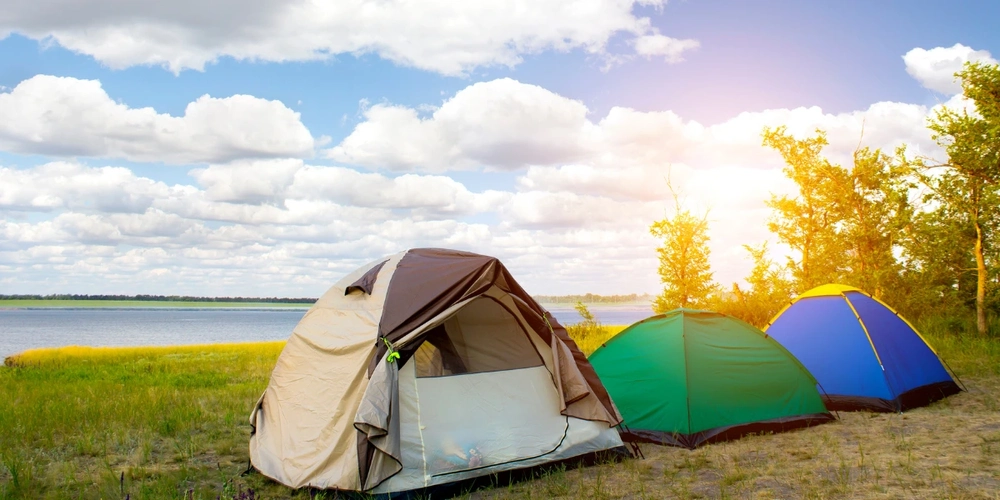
x,y
929,346
865,329
687,374
871,342
420,429
783,309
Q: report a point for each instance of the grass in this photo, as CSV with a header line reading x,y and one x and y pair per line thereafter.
x,y
171,422
149,422
45,303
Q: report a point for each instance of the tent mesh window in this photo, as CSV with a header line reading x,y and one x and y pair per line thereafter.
x,y
482,337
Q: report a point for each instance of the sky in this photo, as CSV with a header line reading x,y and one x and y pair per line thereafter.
x,y
268,149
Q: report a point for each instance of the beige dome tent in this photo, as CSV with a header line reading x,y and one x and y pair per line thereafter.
x,y
426,368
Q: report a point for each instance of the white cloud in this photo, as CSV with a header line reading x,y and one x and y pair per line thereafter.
x,y
671,49
245,181
562,209
585,190
442,36
936,68
624,183
62,116
437,194
508,125
503,124
63,185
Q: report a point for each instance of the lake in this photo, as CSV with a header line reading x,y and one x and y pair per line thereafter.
x,y
29,328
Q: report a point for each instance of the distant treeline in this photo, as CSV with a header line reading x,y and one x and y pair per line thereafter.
x,y
161,298
591,298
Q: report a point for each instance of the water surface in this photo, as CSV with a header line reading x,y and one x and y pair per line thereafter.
x,y
22,329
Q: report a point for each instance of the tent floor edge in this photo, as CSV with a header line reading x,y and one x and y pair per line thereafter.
x,y
729,433
927,394
913,398
837,402
661,438
504,478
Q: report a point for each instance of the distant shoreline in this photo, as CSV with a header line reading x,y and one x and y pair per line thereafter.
x,y
592,305
144,304
206,304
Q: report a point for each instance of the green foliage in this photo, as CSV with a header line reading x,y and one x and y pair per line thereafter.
x,y
584,312
589,340
845,224
588,331
968,191
875,210
769,289
807,222
592,298
684,267
930,255
954,339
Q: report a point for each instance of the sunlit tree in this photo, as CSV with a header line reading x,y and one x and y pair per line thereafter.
x,y
684,266
806,222
969,183
845,224
875,210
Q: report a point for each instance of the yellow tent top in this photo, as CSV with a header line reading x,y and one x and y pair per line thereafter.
x,y
827,290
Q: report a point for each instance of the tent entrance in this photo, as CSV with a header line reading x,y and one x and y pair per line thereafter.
x,y
476,394
481,337
479,420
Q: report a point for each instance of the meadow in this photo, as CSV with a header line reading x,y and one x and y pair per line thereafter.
x,y
171,422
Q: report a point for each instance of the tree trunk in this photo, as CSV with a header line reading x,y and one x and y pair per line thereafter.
x,y
980,282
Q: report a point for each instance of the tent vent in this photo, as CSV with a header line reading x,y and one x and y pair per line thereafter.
x,y
366,282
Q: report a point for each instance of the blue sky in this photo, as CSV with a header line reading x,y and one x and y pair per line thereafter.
x,y
534,132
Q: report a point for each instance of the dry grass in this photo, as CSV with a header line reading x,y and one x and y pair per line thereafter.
x,y
171,423
950,449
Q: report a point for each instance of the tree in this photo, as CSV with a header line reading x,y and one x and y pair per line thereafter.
x,y
768,290
939,276
684,267
806,222
588,326
875,210
845,224
969,183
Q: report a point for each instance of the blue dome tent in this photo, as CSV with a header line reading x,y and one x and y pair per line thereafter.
x,y
863,354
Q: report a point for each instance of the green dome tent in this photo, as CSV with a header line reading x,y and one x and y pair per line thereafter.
x,y
688,377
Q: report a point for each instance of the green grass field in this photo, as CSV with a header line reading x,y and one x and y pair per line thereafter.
x,y
18,304
172,423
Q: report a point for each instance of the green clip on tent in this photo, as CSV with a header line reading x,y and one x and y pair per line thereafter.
x,y
687,378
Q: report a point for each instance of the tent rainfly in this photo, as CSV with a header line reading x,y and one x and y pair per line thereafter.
x,y
863,353
689,377
423,369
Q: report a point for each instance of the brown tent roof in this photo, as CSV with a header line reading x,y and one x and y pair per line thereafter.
x,y
429,280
